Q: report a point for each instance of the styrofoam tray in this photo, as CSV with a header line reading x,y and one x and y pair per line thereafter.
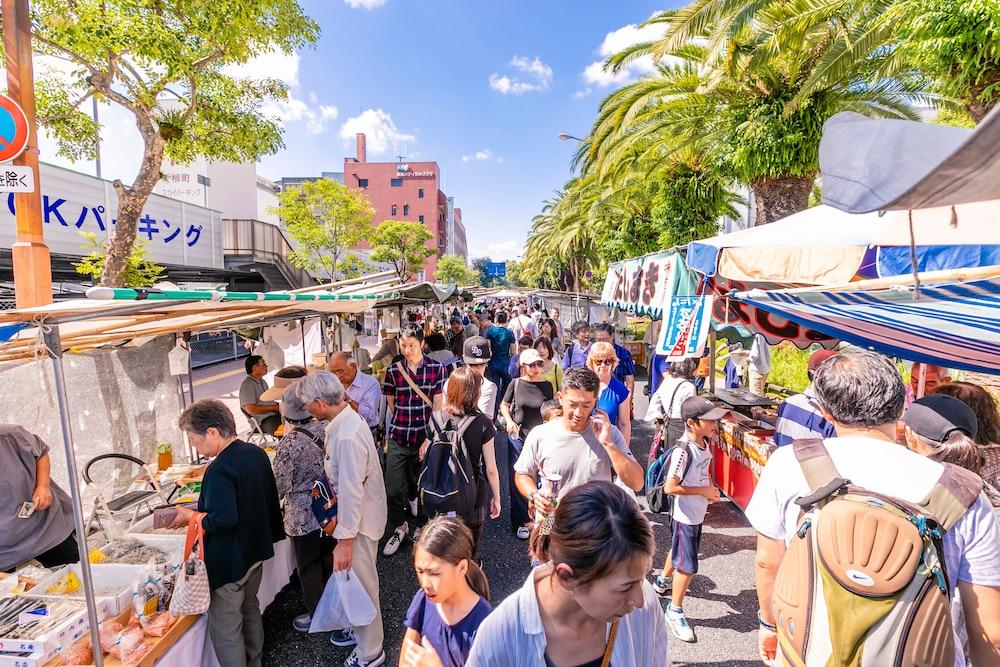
x,y
144,526
121,578
172,545
64,635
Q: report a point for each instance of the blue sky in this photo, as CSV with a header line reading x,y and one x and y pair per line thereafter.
x,y
428,66
483,88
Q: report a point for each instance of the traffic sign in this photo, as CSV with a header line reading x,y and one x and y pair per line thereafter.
x,y
13,129
16,179
496,270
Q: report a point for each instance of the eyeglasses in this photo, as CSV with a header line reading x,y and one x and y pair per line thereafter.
x,y
605,362
535,364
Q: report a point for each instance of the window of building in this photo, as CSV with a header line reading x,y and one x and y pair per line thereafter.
x,y
420,193
406,210
420,219
394,210
396,182
363,182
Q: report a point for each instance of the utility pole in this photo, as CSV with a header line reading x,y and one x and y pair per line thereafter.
x,y
32,262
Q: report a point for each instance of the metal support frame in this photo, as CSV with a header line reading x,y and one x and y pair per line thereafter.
x,y
53,345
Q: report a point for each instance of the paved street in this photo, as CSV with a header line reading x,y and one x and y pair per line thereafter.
x,y
721,604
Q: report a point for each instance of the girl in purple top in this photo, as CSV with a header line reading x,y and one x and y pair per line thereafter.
x,y
452,602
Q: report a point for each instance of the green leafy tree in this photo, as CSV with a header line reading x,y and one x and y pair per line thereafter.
x,y
453,270
163,61
353,266
402,244
140,271
325,220
516,274
479,265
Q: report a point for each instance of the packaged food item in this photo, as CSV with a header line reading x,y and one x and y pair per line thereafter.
x,y
95,556
80,653
67,585
158,624
109,634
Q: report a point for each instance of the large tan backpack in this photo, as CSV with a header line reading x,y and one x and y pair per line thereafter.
x,y
863,581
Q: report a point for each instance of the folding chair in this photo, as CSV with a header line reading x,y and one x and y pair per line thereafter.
x,y
121,484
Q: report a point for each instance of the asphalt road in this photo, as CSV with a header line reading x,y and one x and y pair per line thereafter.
x,y
721,605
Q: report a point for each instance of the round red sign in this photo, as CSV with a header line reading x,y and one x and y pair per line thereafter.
x,y
13,129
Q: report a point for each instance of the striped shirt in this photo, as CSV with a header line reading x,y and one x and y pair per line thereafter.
x,y
799,417
513,634
411,412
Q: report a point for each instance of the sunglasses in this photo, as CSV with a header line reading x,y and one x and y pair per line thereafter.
x,y
535,364
604,362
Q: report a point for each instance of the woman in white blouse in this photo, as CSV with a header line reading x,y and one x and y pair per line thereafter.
x,y
590,600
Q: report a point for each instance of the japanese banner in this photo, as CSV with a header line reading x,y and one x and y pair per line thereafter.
x,y
175,232
644,285
685,329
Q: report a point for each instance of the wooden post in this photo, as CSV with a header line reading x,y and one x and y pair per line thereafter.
x,y
30,255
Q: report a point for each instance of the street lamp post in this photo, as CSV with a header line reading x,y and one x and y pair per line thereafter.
x,y
563,136
31,259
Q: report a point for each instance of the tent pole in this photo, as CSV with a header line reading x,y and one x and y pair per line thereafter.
x,y
302,331
54,347
711,361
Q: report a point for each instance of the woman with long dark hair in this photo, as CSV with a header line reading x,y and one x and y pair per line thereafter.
x,y
590,601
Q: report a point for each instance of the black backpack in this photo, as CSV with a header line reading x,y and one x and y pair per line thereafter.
x,y
449,481
658,500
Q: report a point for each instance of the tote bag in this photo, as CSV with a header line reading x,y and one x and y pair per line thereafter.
x,y
192,593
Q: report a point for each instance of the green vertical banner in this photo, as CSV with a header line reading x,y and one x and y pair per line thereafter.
x,y
646,285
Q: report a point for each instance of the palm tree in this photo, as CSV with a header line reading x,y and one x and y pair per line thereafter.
x,y
950,43
730,98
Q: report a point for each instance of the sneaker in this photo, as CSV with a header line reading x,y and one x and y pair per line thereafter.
x,y
661,585
302,623
343,637
523,533
355,660
678,624
413,507
396,539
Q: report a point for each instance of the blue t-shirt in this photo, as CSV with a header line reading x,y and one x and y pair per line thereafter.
x,y
452,642
501,338
611,399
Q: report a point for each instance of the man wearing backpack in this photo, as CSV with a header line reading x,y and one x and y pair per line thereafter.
x,y
687,479
862,394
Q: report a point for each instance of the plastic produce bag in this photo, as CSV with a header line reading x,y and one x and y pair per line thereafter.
x,y
345,603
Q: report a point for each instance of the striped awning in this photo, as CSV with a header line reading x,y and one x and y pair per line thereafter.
x,y
951,321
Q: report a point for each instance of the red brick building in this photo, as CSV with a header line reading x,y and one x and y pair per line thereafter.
x,y
409,191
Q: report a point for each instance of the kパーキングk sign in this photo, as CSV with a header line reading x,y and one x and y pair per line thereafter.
x,y
13,129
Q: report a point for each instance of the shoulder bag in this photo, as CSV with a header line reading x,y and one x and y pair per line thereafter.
x,y
413,385
192,592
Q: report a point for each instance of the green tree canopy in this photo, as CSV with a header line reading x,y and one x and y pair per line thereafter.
x,y
453,269
140,271
163,62
402,244
325,220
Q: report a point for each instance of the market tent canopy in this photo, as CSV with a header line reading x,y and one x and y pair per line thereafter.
x,y
825,246
871,165
423,293
116,315
952,319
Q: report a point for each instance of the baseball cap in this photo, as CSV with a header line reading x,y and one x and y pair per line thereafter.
x,y
695,407
476,350
937,417
818,357
291,405
529,357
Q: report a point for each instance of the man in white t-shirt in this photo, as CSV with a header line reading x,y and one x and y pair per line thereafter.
x,y
521,325
581,446
862,393
687,480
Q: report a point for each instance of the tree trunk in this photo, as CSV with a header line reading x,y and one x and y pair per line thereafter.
x,y
131,201
777,198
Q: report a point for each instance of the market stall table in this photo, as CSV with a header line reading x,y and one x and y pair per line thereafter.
x,y
742,400
737,461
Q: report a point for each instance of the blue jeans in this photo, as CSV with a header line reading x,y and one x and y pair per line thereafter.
x,y
518,503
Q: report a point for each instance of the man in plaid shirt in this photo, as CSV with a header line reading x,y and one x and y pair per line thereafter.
x,y
411,414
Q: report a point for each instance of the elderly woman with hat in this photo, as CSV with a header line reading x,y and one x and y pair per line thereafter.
x,y
298,464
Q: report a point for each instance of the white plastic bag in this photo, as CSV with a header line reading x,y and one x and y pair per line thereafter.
x,y
345,604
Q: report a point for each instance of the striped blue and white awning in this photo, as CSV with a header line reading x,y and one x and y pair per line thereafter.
x,y
953,322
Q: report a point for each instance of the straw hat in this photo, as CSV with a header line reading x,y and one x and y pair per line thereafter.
x,y
283,379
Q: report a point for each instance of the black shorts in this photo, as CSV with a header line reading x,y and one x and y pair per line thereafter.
x,y
684,543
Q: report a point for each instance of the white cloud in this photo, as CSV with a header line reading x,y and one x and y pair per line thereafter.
x,y
273,64
594,75
380,130
538,77
481,156
498,252
365,4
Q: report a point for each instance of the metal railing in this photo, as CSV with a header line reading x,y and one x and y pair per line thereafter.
x,y
263,242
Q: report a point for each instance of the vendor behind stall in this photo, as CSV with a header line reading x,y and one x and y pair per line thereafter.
x,y
36,516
